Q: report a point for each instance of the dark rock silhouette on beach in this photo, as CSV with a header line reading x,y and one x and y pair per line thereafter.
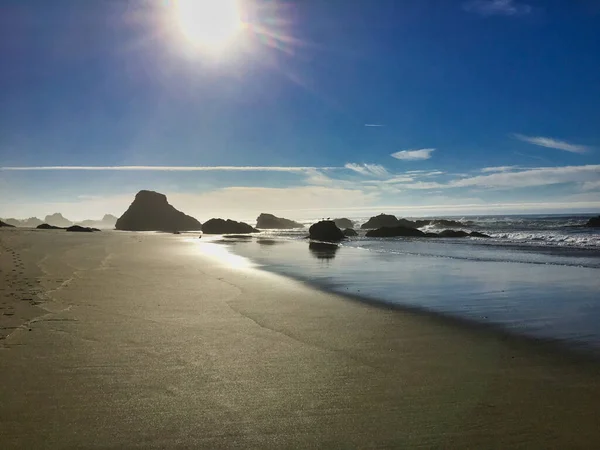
x,y
322,250
594,222
220,226
350,232
57,220
382,220
343,223
80,229
325,230
478,234
150,211
398,231
47,226
270,222
7,225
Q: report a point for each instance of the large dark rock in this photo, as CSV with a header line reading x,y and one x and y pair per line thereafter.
x,y
7,225
325,230
382,220
395,232
343,223
478,234
271,222
57,220
150,211
46,226
594,222
80,229
220,226
350,232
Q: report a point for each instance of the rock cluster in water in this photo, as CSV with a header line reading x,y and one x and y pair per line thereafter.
x,y
594,222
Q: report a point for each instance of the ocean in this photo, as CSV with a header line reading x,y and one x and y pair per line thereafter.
x,y
537,276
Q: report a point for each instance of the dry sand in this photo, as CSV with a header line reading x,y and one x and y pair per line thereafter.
x,y
143,341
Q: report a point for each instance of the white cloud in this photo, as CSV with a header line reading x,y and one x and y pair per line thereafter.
x,y
374,125
376,170
552,143
497,7
414,155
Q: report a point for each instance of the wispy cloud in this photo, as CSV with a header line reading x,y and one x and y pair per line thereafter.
x,y
540,176
171,168
552,143
414,155
376,125
591,186
376,170
497,7
499,169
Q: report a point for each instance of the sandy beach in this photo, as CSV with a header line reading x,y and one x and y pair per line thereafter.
x,y
132,340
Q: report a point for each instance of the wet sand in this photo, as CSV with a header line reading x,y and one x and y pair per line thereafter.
x,y
143,341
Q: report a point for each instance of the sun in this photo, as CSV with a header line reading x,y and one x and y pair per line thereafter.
x,y
208,24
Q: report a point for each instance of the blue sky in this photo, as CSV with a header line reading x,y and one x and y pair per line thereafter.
x,y
416,107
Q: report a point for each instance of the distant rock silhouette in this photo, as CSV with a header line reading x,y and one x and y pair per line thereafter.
x,y
594,222
108,221
32,222
398,231
322,250
57,220
46,226
80,229
382,220
326,230
150,211
269,221
343,223
349,232
220,226
7,225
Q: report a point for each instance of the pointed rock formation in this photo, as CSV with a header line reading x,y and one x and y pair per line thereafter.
x,y
270,222
220,226
57,220
150,211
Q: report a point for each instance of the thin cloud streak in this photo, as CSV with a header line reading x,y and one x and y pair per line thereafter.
x,y
552,143
172,168
374,125
497,7
414,155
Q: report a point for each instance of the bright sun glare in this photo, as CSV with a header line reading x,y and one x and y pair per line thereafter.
x,y
209,24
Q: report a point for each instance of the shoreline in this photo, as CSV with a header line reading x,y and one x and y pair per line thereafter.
x,y
575,349
155,344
